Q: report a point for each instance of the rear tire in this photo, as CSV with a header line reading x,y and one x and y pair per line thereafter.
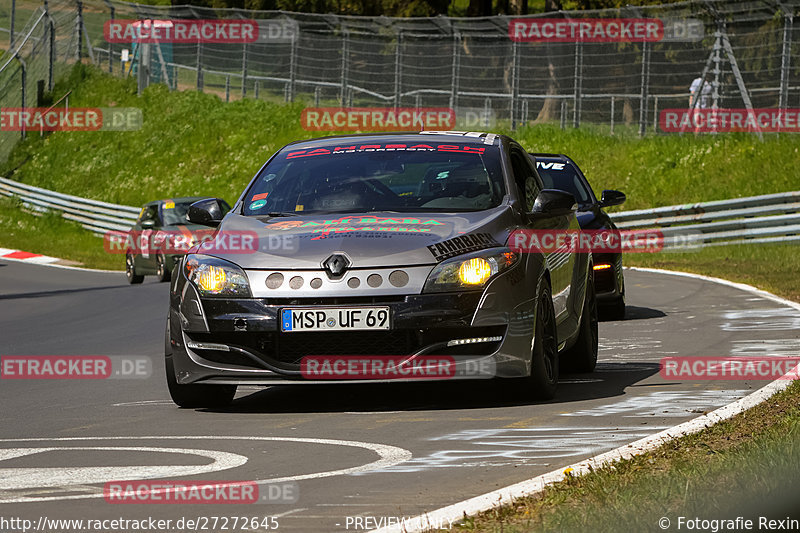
x,y
543,380
130,270
193,395
582,356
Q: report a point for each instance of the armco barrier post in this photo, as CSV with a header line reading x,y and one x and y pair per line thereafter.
x,y
79,29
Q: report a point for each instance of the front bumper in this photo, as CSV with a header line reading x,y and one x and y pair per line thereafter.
x,y
238,341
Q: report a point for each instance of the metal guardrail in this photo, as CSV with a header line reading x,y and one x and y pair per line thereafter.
x,y
754,219
93,215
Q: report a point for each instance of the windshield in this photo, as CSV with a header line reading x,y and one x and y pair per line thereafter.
x,y
175,213
556,174
385,177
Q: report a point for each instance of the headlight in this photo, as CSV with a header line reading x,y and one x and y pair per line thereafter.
x,y
216,277
470,271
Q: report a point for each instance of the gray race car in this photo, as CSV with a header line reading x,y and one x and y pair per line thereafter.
x,y
365,258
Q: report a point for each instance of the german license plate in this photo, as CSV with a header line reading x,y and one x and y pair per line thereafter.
x,y
335,319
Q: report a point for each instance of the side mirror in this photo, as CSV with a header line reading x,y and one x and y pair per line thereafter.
x,y
611,197
552,203
148,224
208,212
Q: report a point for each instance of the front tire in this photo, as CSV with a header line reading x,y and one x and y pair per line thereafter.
x,y
543,380
192,395
162,272
582,356
130,270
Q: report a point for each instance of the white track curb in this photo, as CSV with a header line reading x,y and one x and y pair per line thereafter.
x,y
442,518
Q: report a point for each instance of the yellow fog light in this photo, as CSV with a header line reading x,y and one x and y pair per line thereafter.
x,y
211,279
475,271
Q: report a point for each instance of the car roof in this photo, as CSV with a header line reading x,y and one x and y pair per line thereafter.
x,y
550,156
477,137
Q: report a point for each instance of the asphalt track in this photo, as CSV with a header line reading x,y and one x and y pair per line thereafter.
x,y
60,440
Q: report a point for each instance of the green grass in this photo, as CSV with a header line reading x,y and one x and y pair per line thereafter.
x,y
746,466
194,143
51,235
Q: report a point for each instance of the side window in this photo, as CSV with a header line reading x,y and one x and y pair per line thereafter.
x,y
149,213
525,177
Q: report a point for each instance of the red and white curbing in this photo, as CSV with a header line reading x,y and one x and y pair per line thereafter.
x,y
28,257
444,517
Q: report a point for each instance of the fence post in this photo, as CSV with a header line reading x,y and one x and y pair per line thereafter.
x,y
110,45
316,96
398,71
514,83
645,88
24,84
655,114
786,58
244,70
255,90
13,16
51,60
612,114
227,87
345,61
199,66
563,114
455,72
293,67
578,84
79,29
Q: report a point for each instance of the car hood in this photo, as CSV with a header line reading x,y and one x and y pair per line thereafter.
x,y
368,240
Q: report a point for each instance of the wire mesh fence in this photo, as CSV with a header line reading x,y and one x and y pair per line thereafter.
x,y
748,48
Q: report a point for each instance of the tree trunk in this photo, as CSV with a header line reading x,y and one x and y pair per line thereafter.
x,y
550,105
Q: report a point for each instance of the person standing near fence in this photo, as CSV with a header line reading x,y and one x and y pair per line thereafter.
x,y
704,93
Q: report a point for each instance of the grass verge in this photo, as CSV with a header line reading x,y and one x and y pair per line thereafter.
x,y
743,467
49,234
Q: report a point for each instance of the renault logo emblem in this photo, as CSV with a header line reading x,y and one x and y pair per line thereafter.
x,y
336,265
